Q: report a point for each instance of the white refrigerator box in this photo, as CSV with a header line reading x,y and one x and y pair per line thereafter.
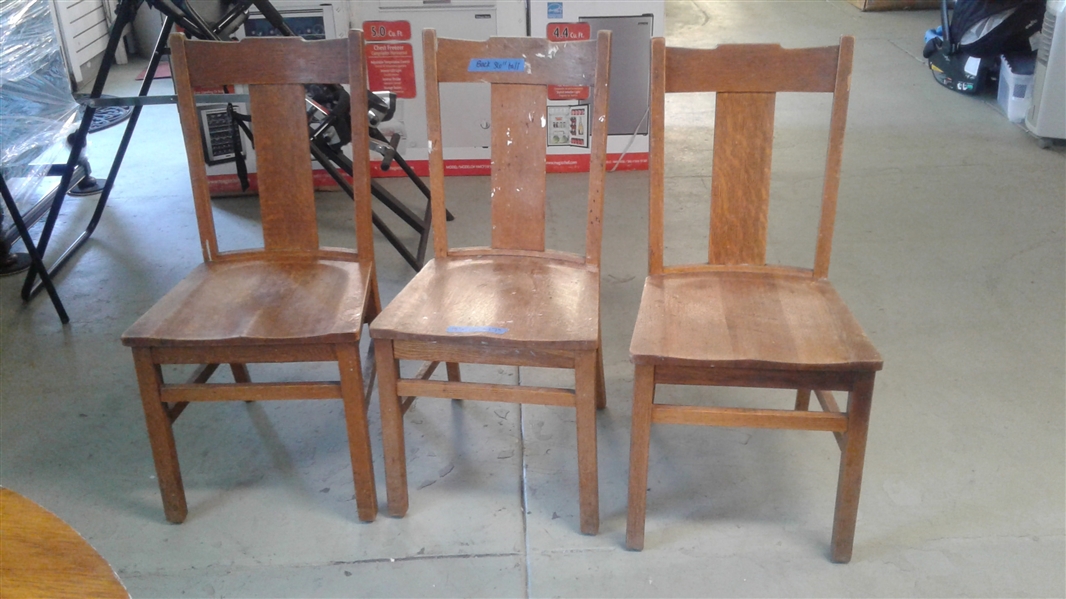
x,y
393,30
632,24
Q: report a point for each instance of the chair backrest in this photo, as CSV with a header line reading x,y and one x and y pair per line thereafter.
x,y
746,80
275,71
519,71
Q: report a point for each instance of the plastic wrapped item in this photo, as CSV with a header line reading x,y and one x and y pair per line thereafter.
x,y
37,109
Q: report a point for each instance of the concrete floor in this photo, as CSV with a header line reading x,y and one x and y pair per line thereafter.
x,y
949,249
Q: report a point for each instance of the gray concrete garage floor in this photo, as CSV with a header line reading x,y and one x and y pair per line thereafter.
x,y
949,249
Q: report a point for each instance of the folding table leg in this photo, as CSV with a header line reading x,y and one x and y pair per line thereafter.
x,y
125,14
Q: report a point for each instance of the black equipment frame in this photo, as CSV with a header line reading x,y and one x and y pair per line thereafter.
x,y
180,13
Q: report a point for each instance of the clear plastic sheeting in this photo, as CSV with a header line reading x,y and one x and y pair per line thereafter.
x,y
37,109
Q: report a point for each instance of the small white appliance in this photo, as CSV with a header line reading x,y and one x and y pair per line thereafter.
x,y
632,25
1047,116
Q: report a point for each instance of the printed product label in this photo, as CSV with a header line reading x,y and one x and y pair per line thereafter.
x,y
391,67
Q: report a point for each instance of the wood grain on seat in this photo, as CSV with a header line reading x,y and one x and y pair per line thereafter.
x,y
259,302
748,320
537,303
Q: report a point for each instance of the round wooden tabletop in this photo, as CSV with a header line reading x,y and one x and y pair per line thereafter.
x,y
42,556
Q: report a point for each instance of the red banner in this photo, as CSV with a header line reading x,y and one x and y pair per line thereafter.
x,y
568,32
568,92
556,163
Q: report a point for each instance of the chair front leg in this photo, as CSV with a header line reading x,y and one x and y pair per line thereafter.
x,y
585,375
355,417
803,400
851,462
639,441
392,428
160,435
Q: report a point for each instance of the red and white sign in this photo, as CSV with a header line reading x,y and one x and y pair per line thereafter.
x,y
568,92
556,163
386,31
568,32
391,67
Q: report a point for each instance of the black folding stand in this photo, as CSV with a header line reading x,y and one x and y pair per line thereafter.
x,y
35,257
330,159
180,13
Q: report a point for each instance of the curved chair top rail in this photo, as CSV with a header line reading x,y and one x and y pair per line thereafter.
x,y
276,71
746,79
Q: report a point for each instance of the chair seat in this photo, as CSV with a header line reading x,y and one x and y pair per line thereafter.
x,y
749,321
498,301
258,302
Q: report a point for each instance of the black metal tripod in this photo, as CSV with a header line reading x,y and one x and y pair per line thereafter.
x,y
180,13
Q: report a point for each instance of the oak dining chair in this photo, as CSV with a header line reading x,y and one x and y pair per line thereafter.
x,y
735,320
288,301
514,303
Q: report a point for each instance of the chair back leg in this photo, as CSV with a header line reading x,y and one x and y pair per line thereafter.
x,y
392,428
586,376
601,381
240,373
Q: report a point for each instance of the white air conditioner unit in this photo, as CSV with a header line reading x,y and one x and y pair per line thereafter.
x,y
1047,116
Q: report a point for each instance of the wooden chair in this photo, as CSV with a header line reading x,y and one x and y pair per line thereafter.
x,y
291,301
736,321
513,303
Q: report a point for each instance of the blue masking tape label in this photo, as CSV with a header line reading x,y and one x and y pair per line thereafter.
x,y
493,330
497,65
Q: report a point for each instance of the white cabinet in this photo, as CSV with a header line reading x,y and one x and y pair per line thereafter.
x,y
83,28
632,25
1047,115
465,108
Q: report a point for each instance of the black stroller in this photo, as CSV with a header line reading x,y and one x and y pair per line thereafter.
x,y
964,56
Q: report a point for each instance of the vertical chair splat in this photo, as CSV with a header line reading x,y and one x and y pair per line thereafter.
x,y
740,179
518,166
